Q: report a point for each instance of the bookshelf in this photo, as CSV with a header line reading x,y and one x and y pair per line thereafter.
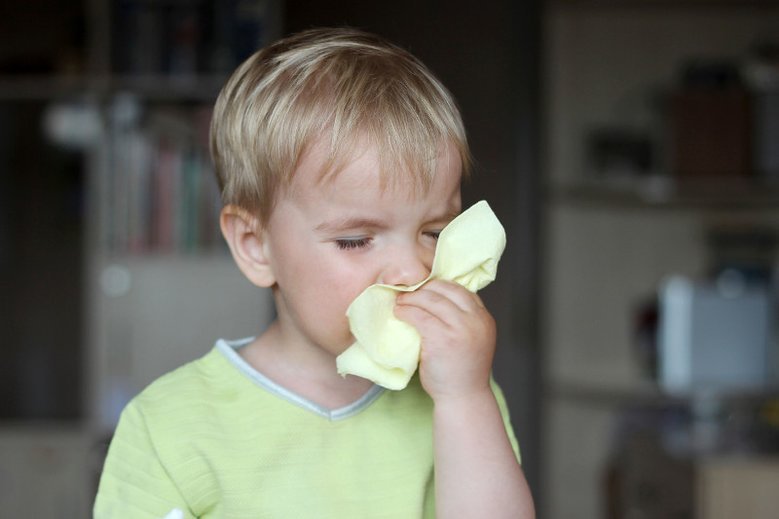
x,y
108,222
613,236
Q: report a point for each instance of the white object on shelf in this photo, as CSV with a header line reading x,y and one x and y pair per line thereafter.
x,y
714,337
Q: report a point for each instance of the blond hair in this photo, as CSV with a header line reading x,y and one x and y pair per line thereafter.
x,y
336,84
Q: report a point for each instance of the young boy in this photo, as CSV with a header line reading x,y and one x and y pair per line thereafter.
x,y
340,159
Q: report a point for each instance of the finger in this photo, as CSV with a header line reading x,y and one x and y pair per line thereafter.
x,y
419,317
432,302
462,297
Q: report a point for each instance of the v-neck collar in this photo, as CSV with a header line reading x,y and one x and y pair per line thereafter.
x,y
230,351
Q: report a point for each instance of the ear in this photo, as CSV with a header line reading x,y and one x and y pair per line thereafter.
x,y
246,240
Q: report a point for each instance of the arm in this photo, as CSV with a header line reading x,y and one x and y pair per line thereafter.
x,y
476,471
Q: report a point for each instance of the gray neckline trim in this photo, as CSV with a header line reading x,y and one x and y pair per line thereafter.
x,y
230,351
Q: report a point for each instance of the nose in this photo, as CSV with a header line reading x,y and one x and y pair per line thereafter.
x,y
407,266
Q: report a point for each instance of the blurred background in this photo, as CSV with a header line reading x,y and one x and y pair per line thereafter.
x,y
630,147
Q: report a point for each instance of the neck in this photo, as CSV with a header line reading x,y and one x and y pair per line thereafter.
x,y
309,372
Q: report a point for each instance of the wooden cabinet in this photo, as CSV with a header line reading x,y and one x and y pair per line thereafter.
x,y
737,487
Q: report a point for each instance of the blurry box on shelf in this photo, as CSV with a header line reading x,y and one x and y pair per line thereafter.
x,y
711,124
619,153
715,336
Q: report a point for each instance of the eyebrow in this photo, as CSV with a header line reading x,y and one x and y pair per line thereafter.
x,y
342,224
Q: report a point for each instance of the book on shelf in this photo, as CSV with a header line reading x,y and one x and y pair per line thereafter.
x,y
161,189
185,38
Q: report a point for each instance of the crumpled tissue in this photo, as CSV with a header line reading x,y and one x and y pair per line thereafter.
x,y
386,349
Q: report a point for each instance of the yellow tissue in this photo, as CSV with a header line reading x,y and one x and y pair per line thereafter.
x,y
386,349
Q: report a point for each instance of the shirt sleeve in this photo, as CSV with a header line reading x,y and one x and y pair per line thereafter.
x,y
504,411
134,482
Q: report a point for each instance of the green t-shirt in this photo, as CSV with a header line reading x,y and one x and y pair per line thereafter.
x,y
216,438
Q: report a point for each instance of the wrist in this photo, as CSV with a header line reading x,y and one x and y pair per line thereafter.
x,y
475,398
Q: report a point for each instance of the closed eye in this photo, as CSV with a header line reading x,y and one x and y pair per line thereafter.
x,y
433,234
352,243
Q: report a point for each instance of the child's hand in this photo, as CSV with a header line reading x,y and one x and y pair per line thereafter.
x,y
458,338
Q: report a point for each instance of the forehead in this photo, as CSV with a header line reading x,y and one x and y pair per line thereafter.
x,y
361,164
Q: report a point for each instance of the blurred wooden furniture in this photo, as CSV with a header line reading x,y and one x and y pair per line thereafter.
x,y
737,487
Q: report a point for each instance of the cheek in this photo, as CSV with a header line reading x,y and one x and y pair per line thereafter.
x,y
329,280
338,296
329,286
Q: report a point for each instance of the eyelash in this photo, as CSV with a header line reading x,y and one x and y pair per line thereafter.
x,y
359,243
352,243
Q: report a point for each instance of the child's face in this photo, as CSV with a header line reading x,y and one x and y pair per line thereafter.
x,y
328,240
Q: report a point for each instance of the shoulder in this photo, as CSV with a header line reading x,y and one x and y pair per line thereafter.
x,y
183,390
172,415
197,375
153,454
